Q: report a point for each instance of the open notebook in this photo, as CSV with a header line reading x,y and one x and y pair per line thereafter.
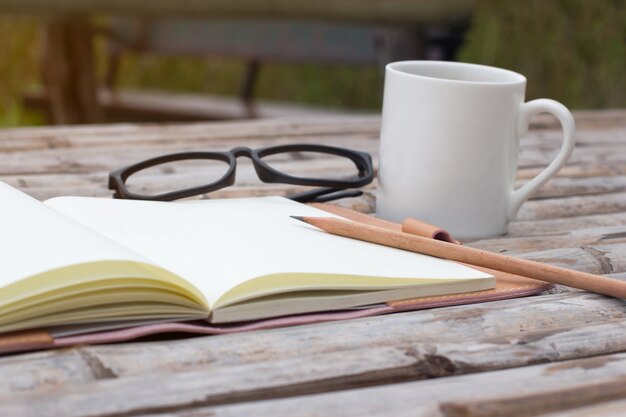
x,y
102,263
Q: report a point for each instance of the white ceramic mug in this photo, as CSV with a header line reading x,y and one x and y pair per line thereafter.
x,y
449,145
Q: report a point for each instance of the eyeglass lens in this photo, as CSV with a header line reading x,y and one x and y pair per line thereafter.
x,y
176,175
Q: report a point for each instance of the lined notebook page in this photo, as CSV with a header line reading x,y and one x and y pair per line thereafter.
x,y
218,244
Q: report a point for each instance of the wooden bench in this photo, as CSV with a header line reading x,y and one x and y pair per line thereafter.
x,y
362,33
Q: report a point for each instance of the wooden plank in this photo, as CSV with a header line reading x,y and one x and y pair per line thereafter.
x,y
322,357
44,370
561,186
577,171
535,389
567,239
346,124
146,105
602,409
573,206
534,157
520,392
560,225
498,327
38,137
603,259
530,404
229,132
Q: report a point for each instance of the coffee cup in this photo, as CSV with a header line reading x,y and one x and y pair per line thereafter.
x,y
449,145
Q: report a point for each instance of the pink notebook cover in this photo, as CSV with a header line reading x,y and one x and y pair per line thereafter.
x,y
507,286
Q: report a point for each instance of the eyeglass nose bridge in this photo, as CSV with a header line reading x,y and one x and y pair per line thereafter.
x,y
241,151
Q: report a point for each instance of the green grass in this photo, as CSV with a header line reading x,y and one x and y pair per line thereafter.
x,y
18,70
571,50
324,85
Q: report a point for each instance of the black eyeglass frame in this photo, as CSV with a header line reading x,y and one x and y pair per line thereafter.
x,y
267,174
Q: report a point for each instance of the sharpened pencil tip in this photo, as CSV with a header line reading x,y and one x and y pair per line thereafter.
x,y
301,218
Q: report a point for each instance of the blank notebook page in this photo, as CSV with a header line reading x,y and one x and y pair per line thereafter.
x,y
218,244
36,239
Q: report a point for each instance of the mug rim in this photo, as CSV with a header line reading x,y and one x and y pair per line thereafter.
x,y
398,67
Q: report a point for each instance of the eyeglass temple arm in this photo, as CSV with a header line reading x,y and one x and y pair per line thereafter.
x,y
322,195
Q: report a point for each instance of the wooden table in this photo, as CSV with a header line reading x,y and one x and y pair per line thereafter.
x,y
530,356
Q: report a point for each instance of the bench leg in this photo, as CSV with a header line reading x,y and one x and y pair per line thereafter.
x,y
68,72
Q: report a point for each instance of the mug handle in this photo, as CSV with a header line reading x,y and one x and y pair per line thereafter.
x,y
527,111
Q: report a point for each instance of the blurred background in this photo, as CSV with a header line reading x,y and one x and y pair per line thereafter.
x,y
183,68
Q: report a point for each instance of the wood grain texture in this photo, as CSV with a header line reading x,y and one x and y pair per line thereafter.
x,y
526,391
602,409
322,358
561,398
554,351
559,239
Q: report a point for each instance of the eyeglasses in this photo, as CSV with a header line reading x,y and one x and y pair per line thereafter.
x,y
332,188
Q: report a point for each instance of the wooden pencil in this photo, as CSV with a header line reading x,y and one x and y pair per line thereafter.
x,y
531,269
